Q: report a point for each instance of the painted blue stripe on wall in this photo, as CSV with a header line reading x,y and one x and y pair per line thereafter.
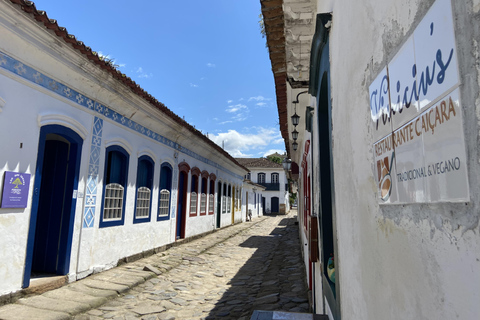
x,y
26,72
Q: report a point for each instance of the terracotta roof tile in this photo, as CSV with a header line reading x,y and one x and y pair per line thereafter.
x,y
51,24
272,11
258,163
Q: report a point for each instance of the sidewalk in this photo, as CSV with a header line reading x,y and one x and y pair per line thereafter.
x,y
226,274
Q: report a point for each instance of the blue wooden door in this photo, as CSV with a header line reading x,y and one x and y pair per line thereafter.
x,y
182,204
50,207
275,205
53,202
219,204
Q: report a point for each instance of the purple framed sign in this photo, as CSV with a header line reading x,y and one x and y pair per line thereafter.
x,y
15,190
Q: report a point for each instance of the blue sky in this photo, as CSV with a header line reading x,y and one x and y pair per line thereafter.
x,y
205,60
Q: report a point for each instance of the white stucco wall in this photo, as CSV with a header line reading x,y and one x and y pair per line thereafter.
x,y
26,106
410,261
282,194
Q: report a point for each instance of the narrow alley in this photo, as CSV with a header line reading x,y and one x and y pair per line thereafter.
x,y
225,275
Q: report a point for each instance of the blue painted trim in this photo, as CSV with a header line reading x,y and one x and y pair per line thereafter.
x,y
167,217
121,221
93,169
29,73
146,219
64,260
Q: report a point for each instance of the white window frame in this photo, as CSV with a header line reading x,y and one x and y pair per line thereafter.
x,y
211,202
193,202
113,205
277,178
203,203
164,203
261,174
144,196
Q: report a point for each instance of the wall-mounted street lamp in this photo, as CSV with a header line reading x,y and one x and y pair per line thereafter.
x,y
295,117
295,146
295,135
287,164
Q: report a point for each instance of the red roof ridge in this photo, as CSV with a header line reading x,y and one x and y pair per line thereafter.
x,y
52,24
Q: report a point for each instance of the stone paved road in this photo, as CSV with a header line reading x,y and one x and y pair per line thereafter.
x,y
224,275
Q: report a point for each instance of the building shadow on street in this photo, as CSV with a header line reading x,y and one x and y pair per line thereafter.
x,y
272,279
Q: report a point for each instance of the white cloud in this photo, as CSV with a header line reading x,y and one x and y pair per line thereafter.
x,y
279,140
141,74
261,104
108,57
211,65
240,116
229,101
258,98
147,76
242,145
236,108
193,85
272,151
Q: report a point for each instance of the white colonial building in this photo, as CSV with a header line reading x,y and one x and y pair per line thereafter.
x,y
93,169
386,97
275,197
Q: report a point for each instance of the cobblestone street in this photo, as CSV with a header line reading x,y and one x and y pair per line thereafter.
x,y
224,275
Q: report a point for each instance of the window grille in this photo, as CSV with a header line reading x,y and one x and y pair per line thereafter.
x,y
224,209
203,203
164,203
113,202
229,204
193,203
261,178
274,177
143,202
210,203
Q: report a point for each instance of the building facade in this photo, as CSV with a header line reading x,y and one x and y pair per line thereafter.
x,y
275,197
387,94
93,168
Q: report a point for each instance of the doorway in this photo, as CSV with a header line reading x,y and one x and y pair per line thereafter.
x,y
50,233
275,205
219,203
182,204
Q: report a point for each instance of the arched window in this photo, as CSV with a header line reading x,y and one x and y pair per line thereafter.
x,y
275,178
144,189
115,177
164,196
203,197
211,197
224,198
229,199
194,192
261,177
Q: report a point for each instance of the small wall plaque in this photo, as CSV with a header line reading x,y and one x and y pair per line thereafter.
x,y
15,190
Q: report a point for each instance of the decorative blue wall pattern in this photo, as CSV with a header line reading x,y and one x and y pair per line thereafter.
x,y
26,72
93,167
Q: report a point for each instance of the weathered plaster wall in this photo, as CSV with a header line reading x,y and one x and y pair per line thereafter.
x,y
25,106
412,261
14,223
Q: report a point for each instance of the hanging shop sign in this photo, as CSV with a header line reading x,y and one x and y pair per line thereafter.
x,y
15,190
419,147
